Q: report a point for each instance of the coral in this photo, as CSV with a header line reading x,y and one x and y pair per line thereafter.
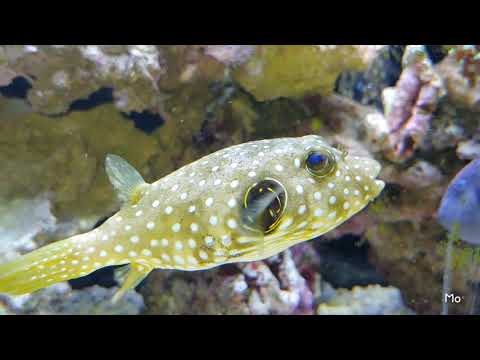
x,y
459,88
362,129
370,300
62,160
230,55
409,106
468,150
468,56
61,74
271,287
60,299
296,70
421,174
20,221
385,66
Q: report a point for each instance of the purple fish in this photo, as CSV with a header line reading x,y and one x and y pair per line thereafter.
x,y
460,205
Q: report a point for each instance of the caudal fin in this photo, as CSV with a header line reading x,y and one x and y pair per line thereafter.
x,y
57,262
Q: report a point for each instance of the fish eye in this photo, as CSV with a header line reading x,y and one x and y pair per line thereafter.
x,y
320,163
264,205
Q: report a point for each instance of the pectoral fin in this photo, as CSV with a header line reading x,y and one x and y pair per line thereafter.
x,y
136,273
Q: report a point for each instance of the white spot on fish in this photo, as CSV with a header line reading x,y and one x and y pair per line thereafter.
x,y
213,220
209,241
231,203
209,202
318,212
176,227
302,209
232,224
194,227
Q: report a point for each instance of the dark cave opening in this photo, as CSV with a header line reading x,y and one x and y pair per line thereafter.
x,y
344,263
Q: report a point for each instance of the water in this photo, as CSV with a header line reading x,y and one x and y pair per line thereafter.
x,y
411,108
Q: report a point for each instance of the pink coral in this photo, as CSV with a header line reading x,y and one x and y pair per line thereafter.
x,y
414,101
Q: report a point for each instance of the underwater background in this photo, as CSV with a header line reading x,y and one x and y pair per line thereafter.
x,y
413,108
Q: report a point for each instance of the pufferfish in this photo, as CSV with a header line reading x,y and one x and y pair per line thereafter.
x,y
243,203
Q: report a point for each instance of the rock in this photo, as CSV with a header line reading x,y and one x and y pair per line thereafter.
x,y
60,299
370,300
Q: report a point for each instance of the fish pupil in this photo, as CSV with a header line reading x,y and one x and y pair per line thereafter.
x,y
264,205
316,159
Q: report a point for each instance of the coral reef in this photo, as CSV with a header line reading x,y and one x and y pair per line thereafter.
x,y
271,287
413,108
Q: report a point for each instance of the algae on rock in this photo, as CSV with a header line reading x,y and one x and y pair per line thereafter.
x,y
63,159
296,70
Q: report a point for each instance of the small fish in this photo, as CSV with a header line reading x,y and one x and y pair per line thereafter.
x,y
243,203
460,206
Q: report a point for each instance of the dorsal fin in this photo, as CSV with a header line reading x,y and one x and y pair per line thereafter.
x,y
126,180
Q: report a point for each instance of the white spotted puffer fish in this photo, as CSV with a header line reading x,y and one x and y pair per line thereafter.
x,y
243,203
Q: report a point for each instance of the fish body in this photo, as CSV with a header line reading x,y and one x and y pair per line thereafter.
x,y
243,203
460,206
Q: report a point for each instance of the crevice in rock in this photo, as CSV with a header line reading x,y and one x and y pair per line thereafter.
x,y
146,121
102,96
18,88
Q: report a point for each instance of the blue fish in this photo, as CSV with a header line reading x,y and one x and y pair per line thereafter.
x,y
460,206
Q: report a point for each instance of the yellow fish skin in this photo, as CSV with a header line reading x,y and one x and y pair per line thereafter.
x,y
198,217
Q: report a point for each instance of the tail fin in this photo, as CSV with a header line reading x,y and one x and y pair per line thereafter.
x,y
57,262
